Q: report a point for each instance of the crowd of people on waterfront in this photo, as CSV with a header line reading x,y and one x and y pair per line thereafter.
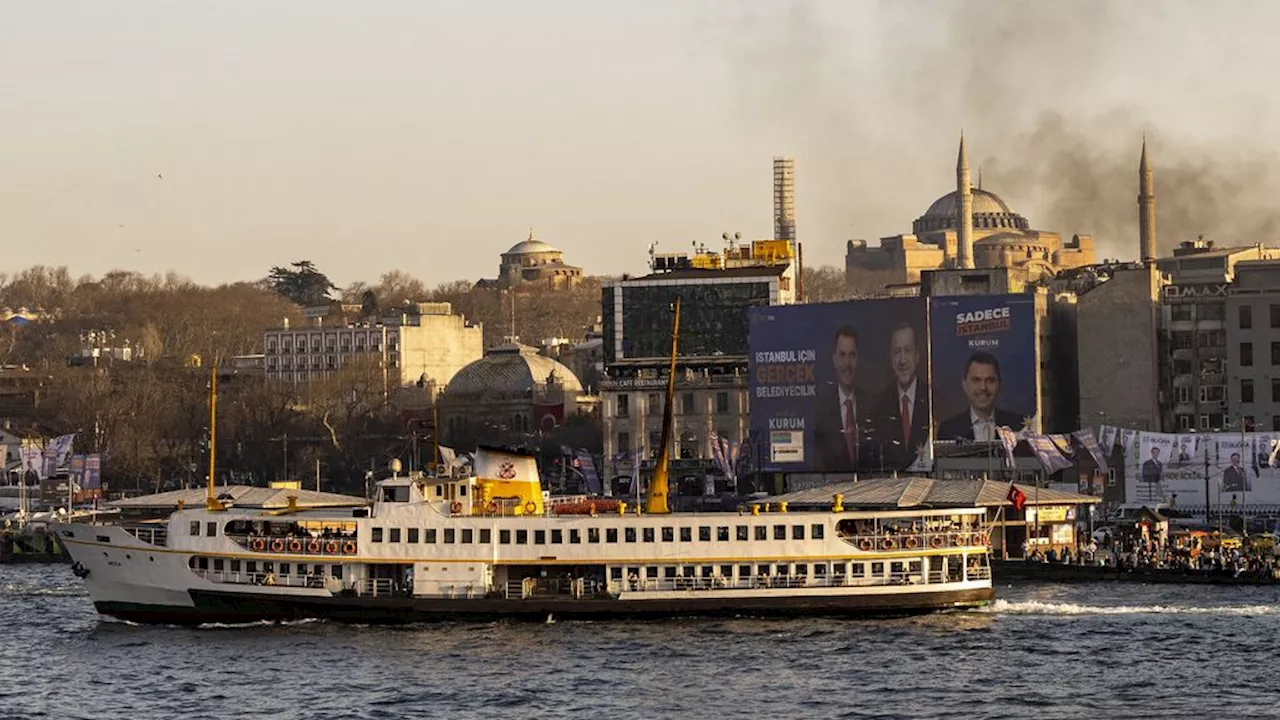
x,y
1189,554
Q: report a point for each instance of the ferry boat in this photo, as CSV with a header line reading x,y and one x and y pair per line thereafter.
x,y
490,544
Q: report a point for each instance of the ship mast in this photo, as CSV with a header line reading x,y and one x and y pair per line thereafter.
x,y
211,501
656,502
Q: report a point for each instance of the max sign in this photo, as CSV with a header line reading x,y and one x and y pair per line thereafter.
x,y
1188,293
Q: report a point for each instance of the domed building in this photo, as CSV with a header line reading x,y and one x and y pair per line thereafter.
x,y
533,261
510,395
994,236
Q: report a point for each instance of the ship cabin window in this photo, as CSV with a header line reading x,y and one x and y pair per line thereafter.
x,y
195,528
377,535
651,572
413,535
815,531
668,534
439,489
877,569
335,571
744,533
462,490
630,534
707,571
686,534
704,533
557,537
783,569
820,569
669,572
744,571
763,570
217,564
268,567
802,568
395,535
284,568
211,529
615,573
486,536
722,533
504,537
839,569
395,493
686,571
450,535
467,536
897,568
235,566
430,538
779,532
762,532
251,566
539,537
522,537
648,534
914,566
726,571
797,532
611,535
593,535
202,563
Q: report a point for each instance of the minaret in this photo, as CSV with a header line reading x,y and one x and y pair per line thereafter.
x,y
1146,208
964,223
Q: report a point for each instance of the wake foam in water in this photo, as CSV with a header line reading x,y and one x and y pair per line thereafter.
x,y
1035,607
27,590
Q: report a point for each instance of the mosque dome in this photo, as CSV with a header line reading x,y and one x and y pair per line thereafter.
x,y
531,246
509,371
989,212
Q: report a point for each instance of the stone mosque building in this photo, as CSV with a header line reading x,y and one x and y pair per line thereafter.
x,y
533,262
966,228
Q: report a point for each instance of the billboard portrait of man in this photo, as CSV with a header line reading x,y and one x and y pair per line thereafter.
x,y
981,385
1234,476
842,410
901,417
1153,468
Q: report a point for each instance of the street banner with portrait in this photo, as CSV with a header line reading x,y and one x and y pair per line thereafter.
x,y
841,387
1107,438
985,366
1090,444
1126,439
1186,450
1051,459
1237,468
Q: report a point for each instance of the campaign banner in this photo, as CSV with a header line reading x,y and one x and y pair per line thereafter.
x,y
1051,459
1235,469
1107,438
984,368
1186,450
1090,444
33,466
1126,438
92,479
841,387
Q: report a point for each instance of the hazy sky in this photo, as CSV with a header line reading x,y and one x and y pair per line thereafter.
x,y
428,136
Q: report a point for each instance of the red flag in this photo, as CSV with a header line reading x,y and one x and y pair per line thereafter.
x,y
1017,497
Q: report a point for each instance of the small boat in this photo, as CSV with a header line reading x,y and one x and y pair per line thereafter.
x,y
489,544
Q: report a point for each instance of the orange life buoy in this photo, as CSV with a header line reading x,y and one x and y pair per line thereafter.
x,y
348,548
530,507
888,544
456,507
958,541
936,541
980,539
865,544
277,545
331,547
492,507
259,544
913,542
295,545
313,546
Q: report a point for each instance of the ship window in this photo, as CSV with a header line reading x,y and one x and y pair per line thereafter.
x,y
762,570
784,569
251,566
462,491
669,572
575,537
686,571
615,573
651,572
522,537
235,566
877,569
648,534
284,568
467,535
914,566
707,571
557,537
195,528
779,532
611,535
722,533
762,532
802,568
897,568
377,535
726,571
744,571
686,534
593,535
449,536
504,537
744,533
816,531
839,569
395,535
211,529
202,563
335,571
820,569
217,564
539,537
797,532
439,489
630,534
704,533
413,535
668,534
431,536
486,536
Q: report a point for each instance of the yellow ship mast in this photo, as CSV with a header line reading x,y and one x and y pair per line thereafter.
x,y
656,501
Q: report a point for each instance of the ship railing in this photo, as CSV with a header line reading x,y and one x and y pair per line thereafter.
x,y
542,587
379,587
267,579
157,536
764,582
297,544
979,572
893,542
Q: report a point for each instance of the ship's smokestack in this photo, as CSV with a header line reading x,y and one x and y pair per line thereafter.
x,y
964,223
784,198
1146,208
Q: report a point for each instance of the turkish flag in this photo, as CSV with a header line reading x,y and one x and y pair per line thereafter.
x,y
1017,497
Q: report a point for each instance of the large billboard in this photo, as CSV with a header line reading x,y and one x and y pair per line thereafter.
x,y
1178,469
985,372
840,387
713,317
